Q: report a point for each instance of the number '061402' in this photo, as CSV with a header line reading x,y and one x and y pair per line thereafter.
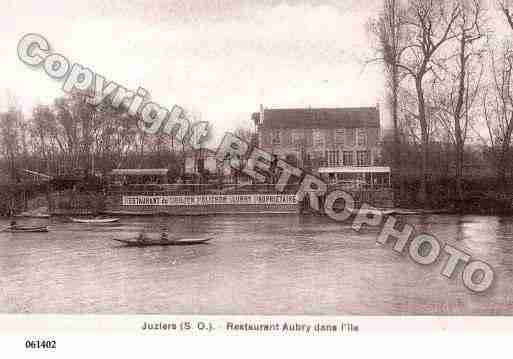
x,y
40,344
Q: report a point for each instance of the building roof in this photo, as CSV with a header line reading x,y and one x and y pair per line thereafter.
x,y
140,172
329,118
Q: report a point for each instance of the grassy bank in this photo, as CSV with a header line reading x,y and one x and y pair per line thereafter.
x,y
479,195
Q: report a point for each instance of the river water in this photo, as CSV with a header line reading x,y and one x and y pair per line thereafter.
x,y
267,264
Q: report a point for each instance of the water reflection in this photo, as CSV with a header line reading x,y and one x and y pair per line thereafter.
x,y
283,264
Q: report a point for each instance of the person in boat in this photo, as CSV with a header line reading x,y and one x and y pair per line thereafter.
x,y
164,234
141,237
11,215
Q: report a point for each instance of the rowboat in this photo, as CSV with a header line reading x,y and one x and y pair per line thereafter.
x,y
94,220
162,242
25,229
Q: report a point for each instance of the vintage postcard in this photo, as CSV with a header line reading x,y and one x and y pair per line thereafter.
x,y
273,167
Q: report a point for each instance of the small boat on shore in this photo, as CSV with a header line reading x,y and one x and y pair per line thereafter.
x,y
94,220
162,242
25,229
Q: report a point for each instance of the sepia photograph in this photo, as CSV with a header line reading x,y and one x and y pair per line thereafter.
x,y
264,159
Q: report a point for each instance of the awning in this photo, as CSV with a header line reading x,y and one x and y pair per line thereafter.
x,y
38,174
140,172
355,169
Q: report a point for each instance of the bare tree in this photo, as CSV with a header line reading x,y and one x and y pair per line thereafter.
x,y
498,107
505,8
455,94
9,141
390,32
245,133
432,24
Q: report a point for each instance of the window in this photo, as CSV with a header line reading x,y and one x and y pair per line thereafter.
x,y
333,158
372,137
297,135
318,138
348,158
276,138
297,138
363,158
362,137
339,136
350,137
308,160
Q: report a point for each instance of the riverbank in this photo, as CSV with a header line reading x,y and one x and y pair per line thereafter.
x,y
479,197
484,196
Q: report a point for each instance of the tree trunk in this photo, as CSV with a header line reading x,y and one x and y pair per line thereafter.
x,y
459,140
395,89
459,169
422,196
504,155
501,173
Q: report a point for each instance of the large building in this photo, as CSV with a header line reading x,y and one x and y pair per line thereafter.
x,y
337,143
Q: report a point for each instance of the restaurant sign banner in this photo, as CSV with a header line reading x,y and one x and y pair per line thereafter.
x,y
209,200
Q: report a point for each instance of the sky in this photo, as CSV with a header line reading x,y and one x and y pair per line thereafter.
x,y
219,58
